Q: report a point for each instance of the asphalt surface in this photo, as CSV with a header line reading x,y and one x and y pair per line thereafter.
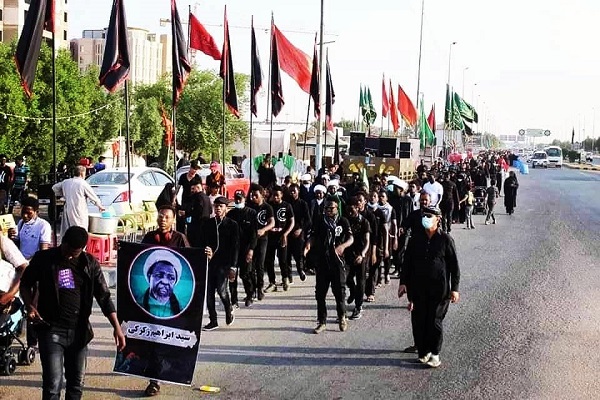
x,y
527,325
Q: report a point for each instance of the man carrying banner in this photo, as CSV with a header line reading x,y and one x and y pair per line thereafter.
x,y
220,240
164,235
68,279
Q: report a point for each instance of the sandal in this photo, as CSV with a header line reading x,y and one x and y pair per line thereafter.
x,y
370,298
152,389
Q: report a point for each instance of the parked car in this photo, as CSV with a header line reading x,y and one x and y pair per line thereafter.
x,y
111,186
539,159
234,178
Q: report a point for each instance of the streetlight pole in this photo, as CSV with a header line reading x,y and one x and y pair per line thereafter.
x,y
420,51
450,61
318,150
463,82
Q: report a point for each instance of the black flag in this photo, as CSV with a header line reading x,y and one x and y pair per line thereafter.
x,y
256,74
39,17
315,85
329,96
277,101
115,63
229,93
573,136
181,65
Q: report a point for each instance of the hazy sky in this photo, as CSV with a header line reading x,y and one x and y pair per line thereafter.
x,y
534,62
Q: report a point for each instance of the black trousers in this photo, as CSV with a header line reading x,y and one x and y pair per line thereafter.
x,y
246,272
274,248
356,281
258,259
334,276
233,288
295,249
428,331
217,282
447,211
373,278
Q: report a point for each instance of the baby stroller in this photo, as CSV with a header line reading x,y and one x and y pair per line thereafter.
x,y
479,206
11,327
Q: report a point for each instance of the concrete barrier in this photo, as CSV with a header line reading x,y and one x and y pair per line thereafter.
x,y
585,167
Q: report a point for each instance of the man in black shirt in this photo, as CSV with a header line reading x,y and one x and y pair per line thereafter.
x,y
220,240
185,182
5,182
357,256
277,245
448,203
68,279
329,239
302,223
430,278
246,220
265,222
197,211
266,173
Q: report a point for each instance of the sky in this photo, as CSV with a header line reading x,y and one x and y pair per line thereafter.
x,y
524,64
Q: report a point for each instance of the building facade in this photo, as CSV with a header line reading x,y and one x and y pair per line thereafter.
x,y
149,53
12,19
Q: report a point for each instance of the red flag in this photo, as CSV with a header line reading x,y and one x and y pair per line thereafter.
x,y
277,101
201,40
385,104
431,119
229,92
406,108
40,17
181,65
115,62
293,61
393,110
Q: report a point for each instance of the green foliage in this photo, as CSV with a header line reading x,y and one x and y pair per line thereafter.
x,y
199,113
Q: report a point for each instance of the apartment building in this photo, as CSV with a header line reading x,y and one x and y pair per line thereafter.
x,y
12,18
149,53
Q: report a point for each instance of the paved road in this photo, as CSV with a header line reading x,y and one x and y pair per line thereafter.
x,y
527,326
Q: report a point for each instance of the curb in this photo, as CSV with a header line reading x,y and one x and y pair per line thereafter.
x,y
585,167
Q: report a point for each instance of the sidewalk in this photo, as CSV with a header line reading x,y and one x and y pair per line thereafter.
x,y
586,167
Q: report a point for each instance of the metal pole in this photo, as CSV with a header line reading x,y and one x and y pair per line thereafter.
x,y
306,130
318,150
55,172
420,52
463,82
269,83
127,154
252,72
225,79
174,118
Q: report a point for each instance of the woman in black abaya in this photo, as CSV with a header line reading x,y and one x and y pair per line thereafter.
x,y
511,184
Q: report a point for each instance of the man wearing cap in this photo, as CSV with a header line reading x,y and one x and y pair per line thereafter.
x,y
220,240
430,277
317,204
216,178
305,193
265,222
246,220
162,271
185,182
302,224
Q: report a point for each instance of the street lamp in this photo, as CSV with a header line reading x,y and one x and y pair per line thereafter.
x,y
463,81
449,61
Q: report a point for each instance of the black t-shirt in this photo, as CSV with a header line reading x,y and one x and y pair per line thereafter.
x,y
283,213
327,237
186,185
360,227
5,177
264,212
69,283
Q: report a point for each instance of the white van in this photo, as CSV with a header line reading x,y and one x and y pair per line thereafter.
x,y
555,156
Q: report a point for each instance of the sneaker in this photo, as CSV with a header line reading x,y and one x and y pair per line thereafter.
x,y
271,288
424,360
229,319
235,306
356,314
291,281
343,324
211,326
350,299
434,361
248,302
153,389
302,275
387,280
260,295
494,222
320,328
285,285
370,298
472,227
487,222
379,285
410,349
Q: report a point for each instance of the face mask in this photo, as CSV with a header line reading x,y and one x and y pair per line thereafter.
x,y
427,222
390,188
373,205
239,205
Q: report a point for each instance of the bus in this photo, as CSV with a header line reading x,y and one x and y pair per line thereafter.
x,y
555,156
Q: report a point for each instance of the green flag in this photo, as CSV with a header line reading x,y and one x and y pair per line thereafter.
x,y
467,111
425,134
367,109
448,112
456,122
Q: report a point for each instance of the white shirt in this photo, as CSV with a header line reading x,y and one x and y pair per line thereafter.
x,y
435,191
12,255
32,234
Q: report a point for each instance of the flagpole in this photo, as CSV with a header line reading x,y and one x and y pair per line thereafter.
x,y
420,52
226,78
306,129
269,91
189,32
318,150
127,150
252,72
174,114
55,177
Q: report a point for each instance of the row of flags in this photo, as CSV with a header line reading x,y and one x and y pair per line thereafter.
x,y
458,112
116,61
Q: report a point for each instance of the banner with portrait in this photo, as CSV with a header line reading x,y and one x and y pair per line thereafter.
x,y
160,298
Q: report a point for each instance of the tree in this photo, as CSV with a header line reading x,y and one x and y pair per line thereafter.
x,y
345,124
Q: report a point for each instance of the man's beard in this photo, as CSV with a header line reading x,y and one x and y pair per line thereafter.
x,y
162,293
